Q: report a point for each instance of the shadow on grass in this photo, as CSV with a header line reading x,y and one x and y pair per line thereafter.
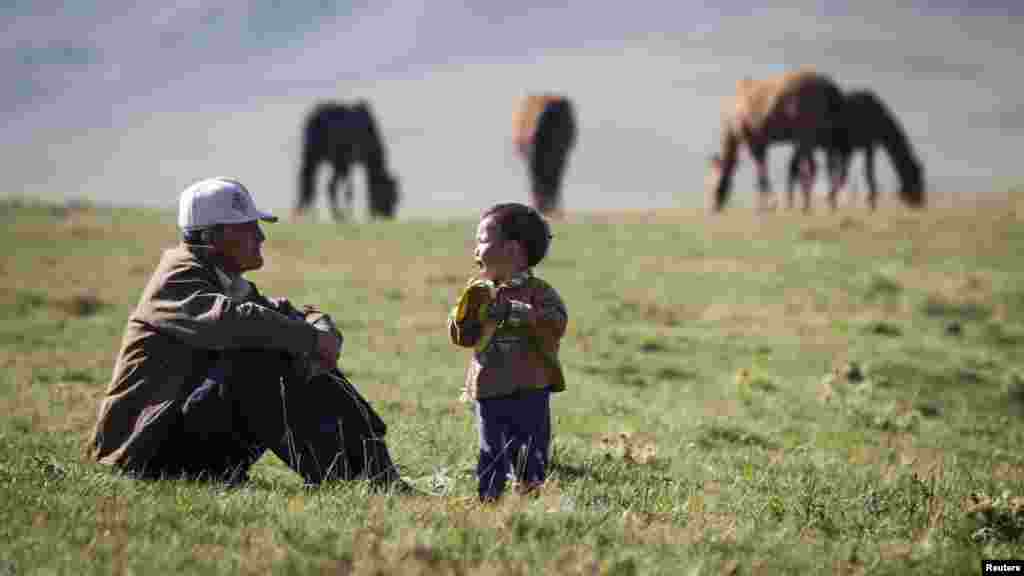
x,y
882,287
634,310
941,307
632,376
725,435
907,376
23,303
882,328
571,473
1013,304
624,374
996,335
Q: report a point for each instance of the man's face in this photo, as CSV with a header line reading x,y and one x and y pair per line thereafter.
x,y
240,246
493,254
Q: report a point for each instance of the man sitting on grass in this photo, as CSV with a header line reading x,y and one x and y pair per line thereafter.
x,y
211,373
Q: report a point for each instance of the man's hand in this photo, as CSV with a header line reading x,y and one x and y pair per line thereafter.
x,y
284,306
328,348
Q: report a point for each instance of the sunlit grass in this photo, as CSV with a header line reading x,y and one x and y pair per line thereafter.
x,y
786,393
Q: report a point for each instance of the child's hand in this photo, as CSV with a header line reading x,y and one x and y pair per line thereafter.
x,y
466,321
512,312
521,314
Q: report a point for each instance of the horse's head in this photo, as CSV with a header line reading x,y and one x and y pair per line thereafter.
x,y
383,195
912,185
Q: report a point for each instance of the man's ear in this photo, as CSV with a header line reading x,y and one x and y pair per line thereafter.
x,y
212,236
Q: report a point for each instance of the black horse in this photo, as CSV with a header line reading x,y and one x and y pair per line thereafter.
x,y
545,133
342,135
867,123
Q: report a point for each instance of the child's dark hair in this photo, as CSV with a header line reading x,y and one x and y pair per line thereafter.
x,y
524,224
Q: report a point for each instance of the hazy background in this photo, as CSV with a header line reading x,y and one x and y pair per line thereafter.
x,y
124,104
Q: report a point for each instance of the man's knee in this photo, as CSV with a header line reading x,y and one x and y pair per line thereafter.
x,y
253,378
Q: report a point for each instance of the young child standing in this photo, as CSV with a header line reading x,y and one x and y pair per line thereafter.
x,y
514,321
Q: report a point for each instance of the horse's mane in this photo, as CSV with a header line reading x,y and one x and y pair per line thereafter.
x,y
755,98
778,82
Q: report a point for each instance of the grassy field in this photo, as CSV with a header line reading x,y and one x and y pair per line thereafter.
x,y
833,393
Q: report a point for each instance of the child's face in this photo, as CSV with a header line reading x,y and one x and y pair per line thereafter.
x,y
496,257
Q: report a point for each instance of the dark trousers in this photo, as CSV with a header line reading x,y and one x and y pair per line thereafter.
x,y
253,401
515,435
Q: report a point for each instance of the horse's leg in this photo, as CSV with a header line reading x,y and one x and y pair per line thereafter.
x,y
349,191
764,186
307,181
869,177
332,193
838,164
808,170
794,171
538,178
558,162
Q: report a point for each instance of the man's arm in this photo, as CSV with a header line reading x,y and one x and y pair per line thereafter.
x,y
329,339
184,302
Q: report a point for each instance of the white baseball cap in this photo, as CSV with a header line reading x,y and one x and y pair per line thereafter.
x,y
217,201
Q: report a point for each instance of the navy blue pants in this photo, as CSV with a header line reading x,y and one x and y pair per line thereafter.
x,y
515,436
252,401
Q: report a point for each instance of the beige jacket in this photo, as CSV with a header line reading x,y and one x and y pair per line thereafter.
x,y
184,315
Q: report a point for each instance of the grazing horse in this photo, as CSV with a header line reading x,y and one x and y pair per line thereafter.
x,y
801,107
544,133
342,135
868,123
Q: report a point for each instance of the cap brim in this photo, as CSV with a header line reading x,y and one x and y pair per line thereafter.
x,y
266,217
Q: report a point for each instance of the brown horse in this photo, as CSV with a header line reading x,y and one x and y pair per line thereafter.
x,y
342,135
867,124
544,132
801,107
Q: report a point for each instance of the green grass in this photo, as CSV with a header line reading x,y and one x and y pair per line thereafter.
x,y
785,394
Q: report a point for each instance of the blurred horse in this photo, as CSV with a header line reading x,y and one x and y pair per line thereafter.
x,y
343,135
801,107
544,133
868,124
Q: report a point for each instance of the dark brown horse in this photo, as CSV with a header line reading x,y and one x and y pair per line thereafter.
x,y
867,124
544,133
800,107
343,135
